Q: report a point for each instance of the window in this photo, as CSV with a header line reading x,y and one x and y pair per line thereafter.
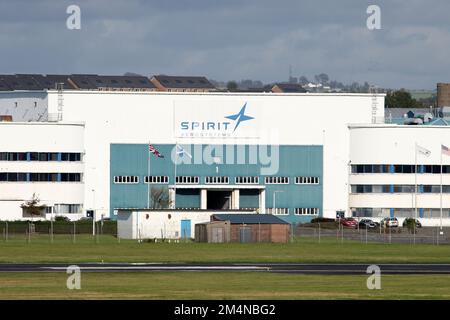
x,y
246,180
70,156
126,179
306,180
187,180
43,177
399,168
156,179
68,208
278,211
216,180
71,177
306,211
277,180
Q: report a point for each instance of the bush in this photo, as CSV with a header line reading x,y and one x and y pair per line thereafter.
x,y
61,219
321,220
410,224
60,227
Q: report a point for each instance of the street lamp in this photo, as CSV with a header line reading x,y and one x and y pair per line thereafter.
x,y
93,212
273,202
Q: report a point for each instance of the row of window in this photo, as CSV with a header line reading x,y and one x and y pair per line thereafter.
x,y
40,156
215,180
367,188
66,208
306,180
399,168
278,211
276,180
306,211
39,177
297,211
156,179
400,212
246,180
126,179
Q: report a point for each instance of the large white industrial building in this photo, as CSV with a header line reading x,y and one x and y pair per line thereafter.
x,y
298,155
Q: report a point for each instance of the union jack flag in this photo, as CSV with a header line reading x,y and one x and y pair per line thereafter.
x,y
153,150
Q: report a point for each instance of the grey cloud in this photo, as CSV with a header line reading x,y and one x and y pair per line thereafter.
x,y
231,39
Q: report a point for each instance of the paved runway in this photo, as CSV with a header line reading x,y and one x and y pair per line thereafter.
x,y
263,267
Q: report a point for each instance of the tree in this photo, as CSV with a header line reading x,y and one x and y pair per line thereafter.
x,y
401,99
160,198
232,86
322,78
303,80
32,206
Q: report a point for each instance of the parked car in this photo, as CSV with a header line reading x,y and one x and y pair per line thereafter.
x,y
348,222
389,223
367,224
405,222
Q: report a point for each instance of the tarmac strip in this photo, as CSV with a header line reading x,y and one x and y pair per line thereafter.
x,y
296,268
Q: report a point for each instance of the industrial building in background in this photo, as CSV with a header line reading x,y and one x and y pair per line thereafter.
x,y
130,147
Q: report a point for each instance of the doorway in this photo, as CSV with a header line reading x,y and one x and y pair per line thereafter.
x,y
218,200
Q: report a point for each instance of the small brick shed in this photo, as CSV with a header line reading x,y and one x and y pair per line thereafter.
x,y
243,228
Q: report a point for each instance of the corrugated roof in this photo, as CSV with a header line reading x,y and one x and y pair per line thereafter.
x,y
50,81
93,82
249,218
184,82
20,82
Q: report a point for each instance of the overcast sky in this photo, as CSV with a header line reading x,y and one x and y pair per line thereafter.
x,y
231,39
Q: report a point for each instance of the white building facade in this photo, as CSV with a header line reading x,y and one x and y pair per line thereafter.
x,y
389,176
43,161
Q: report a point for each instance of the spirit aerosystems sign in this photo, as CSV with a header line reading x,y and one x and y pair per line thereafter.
x,y
215,119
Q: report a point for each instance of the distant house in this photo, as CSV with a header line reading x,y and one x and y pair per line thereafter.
x,y
288,88
182,84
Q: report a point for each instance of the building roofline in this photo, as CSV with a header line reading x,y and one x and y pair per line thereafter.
x,y
41,123
393,125
212,93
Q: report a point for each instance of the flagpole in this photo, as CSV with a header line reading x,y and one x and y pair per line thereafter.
x,y
441,192
148,176
175,181
415,192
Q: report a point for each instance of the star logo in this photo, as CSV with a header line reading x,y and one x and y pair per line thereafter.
x,y
240,117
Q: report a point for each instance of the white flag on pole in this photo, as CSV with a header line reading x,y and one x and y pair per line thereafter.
x,y
181,151
423,151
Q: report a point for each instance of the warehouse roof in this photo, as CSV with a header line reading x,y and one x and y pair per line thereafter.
x,y
19,82
11,82
94,81
248,218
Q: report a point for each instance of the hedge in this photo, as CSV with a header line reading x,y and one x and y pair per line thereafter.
x,y
60,227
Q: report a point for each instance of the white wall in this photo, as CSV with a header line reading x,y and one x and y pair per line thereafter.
x,y
31,106
394,144
40,137
296,119
157,224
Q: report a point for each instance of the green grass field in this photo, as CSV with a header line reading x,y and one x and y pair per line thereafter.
x,y
219,285
108,249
